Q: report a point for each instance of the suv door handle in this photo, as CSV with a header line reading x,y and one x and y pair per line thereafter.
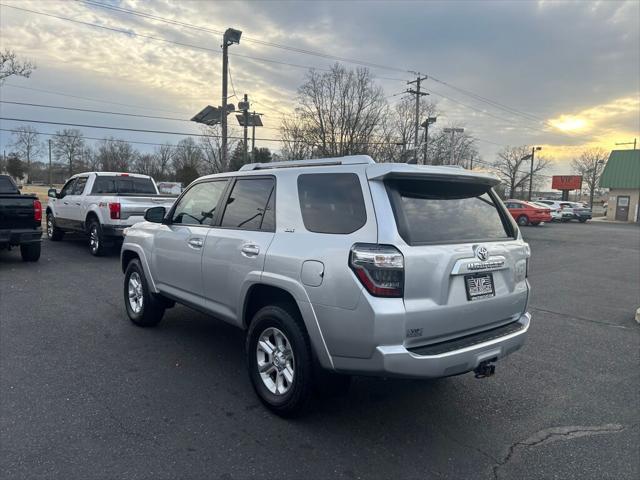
x,y
250,250
195,242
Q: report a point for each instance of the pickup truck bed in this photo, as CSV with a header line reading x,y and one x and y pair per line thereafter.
x,y
20,217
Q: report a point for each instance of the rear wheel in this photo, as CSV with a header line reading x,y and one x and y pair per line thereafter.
x,y
523,220
53,233
535,224
279,359
583,220
143,307
96,238
30,252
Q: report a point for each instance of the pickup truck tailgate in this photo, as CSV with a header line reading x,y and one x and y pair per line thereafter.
x,y
16,212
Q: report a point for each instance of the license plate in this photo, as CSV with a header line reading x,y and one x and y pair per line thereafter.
x,y
479,286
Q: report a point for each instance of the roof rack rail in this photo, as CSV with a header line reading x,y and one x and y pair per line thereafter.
x,y
319,162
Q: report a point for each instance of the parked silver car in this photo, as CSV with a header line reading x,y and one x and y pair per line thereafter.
x,y
337,267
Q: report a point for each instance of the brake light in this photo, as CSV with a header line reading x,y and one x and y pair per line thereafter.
x,y
114,211
37,211
380,269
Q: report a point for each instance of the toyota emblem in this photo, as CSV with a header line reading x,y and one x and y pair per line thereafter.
x,y
482,253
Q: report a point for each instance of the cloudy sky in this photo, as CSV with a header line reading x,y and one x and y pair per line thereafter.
x,y
563,75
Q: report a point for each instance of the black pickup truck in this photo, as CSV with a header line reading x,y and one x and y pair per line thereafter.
x,y
20,220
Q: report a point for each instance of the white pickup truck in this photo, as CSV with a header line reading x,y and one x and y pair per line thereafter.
x,y
102,205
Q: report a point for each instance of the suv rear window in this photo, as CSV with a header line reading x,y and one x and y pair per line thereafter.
x,y
331,202
430,211
123,185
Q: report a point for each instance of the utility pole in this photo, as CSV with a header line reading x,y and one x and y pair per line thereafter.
x,y
533,153
230,37
245,112
50,182
453,132
253,136
418,94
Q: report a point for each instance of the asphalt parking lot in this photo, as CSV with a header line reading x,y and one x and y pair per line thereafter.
x,y
85,394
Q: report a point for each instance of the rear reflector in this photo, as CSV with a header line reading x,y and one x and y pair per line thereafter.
x,y
37,211
114,211
380,269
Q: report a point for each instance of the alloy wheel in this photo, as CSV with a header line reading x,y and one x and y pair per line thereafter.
x,y
136,297
275,360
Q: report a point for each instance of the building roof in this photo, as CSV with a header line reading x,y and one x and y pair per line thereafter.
x,y
622,170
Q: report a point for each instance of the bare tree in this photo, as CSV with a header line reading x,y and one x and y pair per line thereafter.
x,y
163,159
400,130
465,151
116,155
27,144
145,164
340,111
10,65
294,144
67,147
513,166
187,160
590,165
211,146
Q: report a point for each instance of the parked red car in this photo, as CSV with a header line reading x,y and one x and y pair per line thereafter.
x,y
526,213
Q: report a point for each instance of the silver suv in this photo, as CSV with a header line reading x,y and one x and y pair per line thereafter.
x,y
337,267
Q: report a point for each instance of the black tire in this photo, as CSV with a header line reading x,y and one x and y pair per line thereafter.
x,y
535,224
97,247
285,319
583,220
30,252
152,307
53,233
523,220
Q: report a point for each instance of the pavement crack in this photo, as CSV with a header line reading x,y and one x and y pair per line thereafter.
x,y
575,317
555,434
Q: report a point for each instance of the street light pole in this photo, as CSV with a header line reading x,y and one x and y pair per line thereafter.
x,y
426,124
50,182
533,152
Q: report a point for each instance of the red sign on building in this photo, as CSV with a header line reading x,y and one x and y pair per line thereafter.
x,y
566,182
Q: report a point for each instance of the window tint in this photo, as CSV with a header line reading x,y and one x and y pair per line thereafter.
x,y
198,205
331,202
251,205
429,211
6,185
78,187
123,185
66,190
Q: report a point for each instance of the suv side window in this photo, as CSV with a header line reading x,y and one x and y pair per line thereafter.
x,y
78,187
331,202
251,205
66,190
198,205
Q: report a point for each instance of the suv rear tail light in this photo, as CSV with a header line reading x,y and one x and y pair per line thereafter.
x,y
37,211
114,211
380,268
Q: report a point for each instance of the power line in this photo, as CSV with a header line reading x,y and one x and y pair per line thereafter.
x,y
87,98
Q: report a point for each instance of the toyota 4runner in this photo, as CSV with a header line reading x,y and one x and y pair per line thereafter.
x,y
337,267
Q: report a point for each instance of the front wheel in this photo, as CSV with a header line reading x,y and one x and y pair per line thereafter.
x,y
523,220
30,252
53,233
535,224
279,359
583,220
143,307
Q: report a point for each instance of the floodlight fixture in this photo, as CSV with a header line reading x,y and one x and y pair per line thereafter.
x,y
231,36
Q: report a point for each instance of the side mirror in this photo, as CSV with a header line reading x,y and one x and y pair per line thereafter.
x,y
52,192
155,214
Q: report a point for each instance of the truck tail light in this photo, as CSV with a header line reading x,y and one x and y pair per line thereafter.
x,y
114,211
37,211
380,269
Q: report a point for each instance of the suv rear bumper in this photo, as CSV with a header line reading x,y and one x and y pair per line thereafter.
x,y
466,355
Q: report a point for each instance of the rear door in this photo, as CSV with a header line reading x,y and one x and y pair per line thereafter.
x,y
178,247
464,269
235,249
